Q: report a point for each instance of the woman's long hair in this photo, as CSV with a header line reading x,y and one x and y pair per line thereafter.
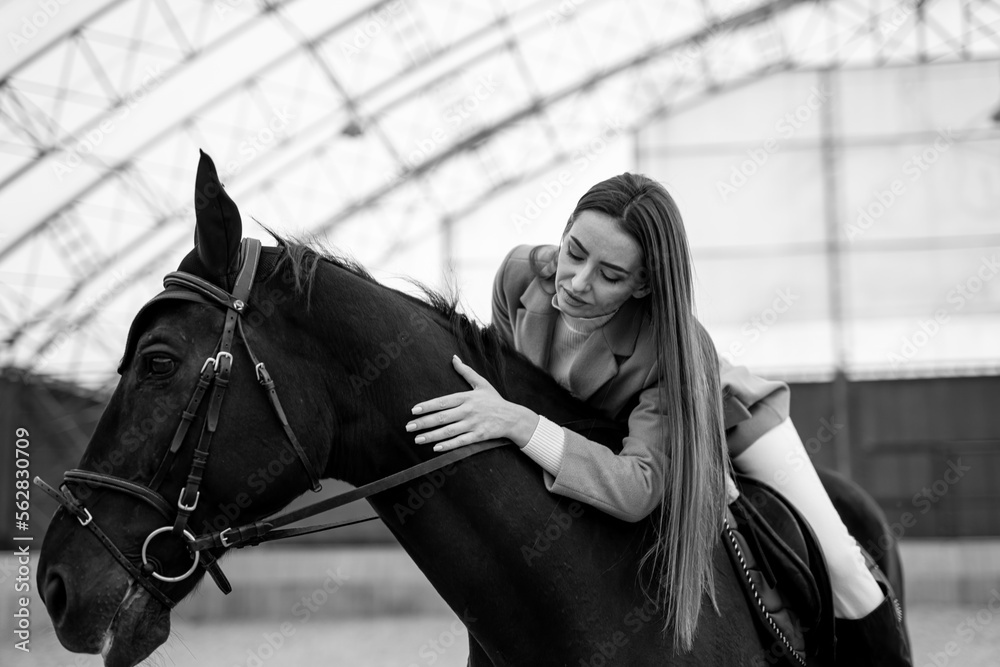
x,y
679,565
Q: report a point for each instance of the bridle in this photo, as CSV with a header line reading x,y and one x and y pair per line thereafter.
x,y
215,374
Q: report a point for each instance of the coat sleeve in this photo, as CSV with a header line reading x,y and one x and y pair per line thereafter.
x,y
764,404
627,485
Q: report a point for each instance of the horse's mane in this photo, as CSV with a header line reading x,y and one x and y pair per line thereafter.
x,y
301,259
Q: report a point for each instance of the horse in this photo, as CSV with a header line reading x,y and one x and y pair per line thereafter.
x,y
536,579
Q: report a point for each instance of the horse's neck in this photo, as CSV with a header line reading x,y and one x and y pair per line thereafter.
x,y
529,572
486,513
404,358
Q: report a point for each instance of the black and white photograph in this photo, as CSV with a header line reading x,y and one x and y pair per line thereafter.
x,y
500,333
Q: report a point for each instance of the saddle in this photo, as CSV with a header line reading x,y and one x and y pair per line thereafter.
x,y
778,560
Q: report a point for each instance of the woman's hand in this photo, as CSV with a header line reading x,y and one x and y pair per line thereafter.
x,y
471,416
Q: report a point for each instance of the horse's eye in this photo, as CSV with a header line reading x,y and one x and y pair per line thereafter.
x,y
161,365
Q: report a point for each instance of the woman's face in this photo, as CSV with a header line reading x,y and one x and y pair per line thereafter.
x,y
599,268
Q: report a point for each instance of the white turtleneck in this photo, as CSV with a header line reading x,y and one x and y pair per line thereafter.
x,y
568,337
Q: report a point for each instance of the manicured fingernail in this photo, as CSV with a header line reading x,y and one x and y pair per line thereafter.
x,y
417,410
411,426
419,439
438,448
455,357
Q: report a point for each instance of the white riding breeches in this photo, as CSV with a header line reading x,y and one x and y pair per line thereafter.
x,y
779,459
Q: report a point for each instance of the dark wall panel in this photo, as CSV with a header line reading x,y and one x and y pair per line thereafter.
x,y
928,450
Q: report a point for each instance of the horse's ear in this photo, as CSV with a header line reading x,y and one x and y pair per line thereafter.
x,y
218,227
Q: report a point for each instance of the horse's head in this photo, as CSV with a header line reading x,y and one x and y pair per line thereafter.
x,y
115,555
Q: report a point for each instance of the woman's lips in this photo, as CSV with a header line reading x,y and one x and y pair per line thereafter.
x,y
573,300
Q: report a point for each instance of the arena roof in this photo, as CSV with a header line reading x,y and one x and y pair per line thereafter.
x,y
382,126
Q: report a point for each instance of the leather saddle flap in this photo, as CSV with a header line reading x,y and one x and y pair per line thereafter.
x,y
787,545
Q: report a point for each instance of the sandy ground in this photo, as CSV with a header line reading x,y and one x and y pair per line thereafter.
x,y
970,634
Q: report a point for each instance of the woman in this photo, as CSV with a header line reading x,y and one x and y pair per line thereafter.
x,y
609,314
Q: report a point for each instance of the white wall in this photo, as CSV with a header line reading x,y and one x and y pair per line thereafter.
x,y
759,226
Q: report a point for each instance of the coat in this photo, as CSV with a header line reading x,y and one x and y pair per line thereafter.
x,y
615,372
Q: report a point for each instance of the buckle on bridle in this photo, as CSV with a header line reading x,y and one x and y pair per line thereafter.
x,y
187,508
90,517
216,362
222,537
262,375
210,360
223,362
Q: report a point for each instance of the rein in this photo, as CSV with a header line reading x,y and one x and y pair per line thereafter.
x,y
215,373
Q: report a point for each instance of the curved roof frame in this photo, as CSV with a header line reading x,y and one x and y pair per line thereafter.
x,y
362,116
535,108
124,170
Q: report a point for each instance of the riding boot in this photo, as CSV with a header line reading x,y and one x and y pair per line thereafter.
x,y
878,639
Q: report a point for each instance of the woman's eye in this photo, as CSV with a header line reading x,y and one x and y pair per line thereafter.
x,y
161,365
612,280
573,255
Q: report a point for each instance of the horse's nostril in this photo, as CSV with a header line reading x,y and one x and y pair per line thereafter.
x,y
55,597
